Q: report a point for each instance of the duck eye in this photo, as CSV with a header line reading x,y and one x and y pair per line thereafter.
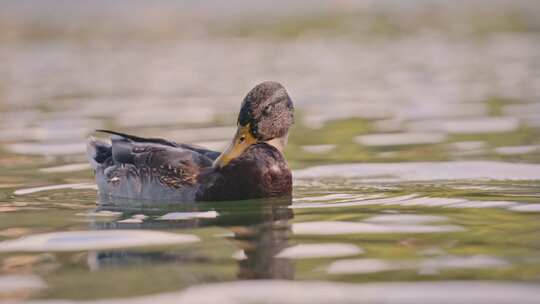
x,y
268,110
242,138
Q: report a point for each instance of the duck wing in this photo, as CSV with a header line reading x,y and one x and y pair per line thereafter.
x,y
139,168
201,150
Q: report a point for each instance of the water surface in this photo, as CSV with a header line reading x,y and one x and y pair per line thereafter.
x,y
415,155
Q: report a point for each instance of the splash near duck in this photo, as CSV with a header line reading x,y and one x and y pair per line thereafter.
x,y
252,166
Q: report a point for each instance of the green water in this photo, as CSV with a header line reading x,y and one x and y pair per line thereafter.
x,y
247,240
415,154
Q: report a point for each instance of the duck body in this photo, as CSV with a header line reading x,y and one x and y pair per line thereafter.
x,y
253,166
137,168
259,172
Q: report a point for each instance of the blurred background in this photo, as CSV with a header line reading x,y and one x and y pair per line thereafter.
x,y
437,73
432,107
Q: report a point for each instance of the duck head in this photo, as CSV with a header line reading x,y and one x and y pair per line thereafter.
x,y
266,115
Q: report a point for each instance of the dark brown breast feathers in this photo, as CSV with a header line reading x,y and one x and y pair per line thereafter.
x,y
261,171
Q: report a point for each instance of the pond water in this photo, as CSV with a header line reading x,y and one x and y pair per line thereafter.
x,y
416,161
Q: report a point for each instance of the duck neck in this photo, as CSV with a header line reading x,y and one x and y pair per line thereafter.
x,y
280,143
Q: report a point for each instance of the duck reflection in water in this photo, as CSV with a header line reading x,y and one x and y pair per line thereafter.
x,y
263,241
260,229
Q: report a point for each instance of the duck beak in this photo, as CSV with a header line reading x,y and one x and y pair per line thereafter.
x,y
242,140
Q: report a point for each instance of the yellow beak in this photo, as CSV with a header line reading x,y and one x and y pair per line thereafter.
x,y
242,140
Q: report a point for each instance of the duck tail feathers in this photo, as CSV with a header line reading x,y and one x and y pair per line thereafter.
x,y
97,152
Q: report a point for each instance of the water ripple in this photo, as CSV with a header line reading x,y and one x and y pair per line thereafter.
x,y
426,266
284,291
77,186
93,240
13,283
336,227
427,171
326,250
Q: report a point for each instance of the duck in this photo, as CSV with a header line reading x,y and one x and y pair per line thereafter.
x,y
253,165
